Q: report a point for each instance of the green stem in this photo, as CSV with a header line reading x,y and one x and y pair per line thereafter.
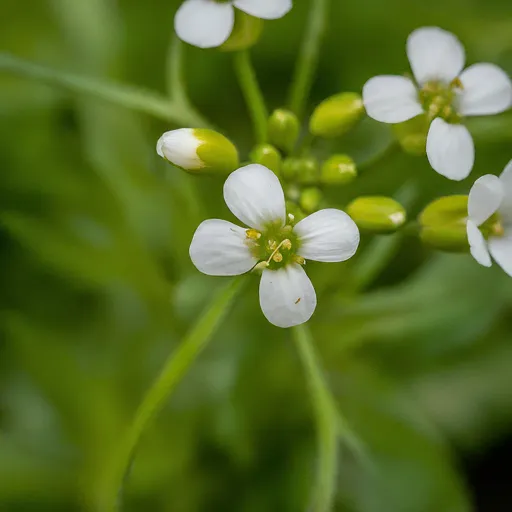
x,y
327,420
175,76
176,83
252,93
177,365
124,95
308,58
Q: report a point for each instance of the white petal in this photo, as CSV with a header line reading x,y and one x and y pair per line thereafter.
x,y
287,297
501,250
328,235
478,245
219,249
450,149
204,23
180,148
265,9
485,198
255,196
487,90
391,99
434,54
506,204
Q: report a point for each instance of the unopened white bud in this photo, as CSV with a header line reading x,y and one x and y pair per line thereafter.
x,y
198,151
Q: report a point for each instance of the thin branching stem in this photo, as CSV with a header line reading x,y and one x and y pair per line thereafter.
x,y
307,62
252,94
175,368
126,96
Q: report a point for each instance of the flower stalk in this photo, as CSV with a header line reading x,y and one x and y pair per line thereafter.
x,y
252,94
125,96
309,54
176,367
326,419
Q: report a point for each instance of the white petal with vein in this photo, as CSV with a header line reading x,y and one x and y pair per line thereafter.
x,y
287,297
391,99
435,54
255,196
328,235
219,249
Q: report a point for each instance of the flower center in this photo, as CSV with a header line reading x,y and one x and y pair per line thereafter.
x,y
438,99
275,246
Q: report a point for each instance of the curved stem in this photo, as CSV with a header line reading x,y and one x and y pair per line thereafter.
x,y
124,95
176,83
177,365
308,58
252,93
175,77
327,419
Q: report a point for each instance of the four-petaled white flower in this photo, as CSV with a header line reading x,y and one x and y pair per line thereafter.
x,y
209,23
445,93
255,196
489,222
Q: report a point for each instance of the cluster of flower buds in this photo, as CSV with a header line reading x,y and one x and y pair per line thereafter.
x,y
280,196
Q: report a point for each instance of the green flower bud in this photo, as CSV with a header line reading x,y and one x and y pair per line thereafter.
x,y
337,115
310,199
443,224
283,129
198,151
445,210
303,170
246,32
309,171
290,168
412,135
292,192
338,170
377,214
267,155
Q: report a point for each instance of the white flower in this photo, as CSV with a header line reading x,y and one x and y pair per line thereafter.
x,y
445,93
209,23
255,196
489,222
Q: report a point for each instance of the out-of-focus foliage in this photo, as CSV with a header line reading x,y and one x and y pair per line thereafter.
x,y
97,286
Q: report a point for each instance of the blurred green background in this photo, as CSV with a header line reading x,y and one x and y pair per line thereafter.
x,y
97,287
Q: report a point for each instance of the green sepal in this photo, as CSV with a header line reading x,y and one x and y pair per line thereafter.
x,y
443,224
412,135
246,32
218,153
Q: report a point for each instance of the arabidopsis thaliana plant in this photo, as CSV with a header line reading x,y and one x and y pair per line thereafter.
x,y
209,23
272,243
445,93
489,222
